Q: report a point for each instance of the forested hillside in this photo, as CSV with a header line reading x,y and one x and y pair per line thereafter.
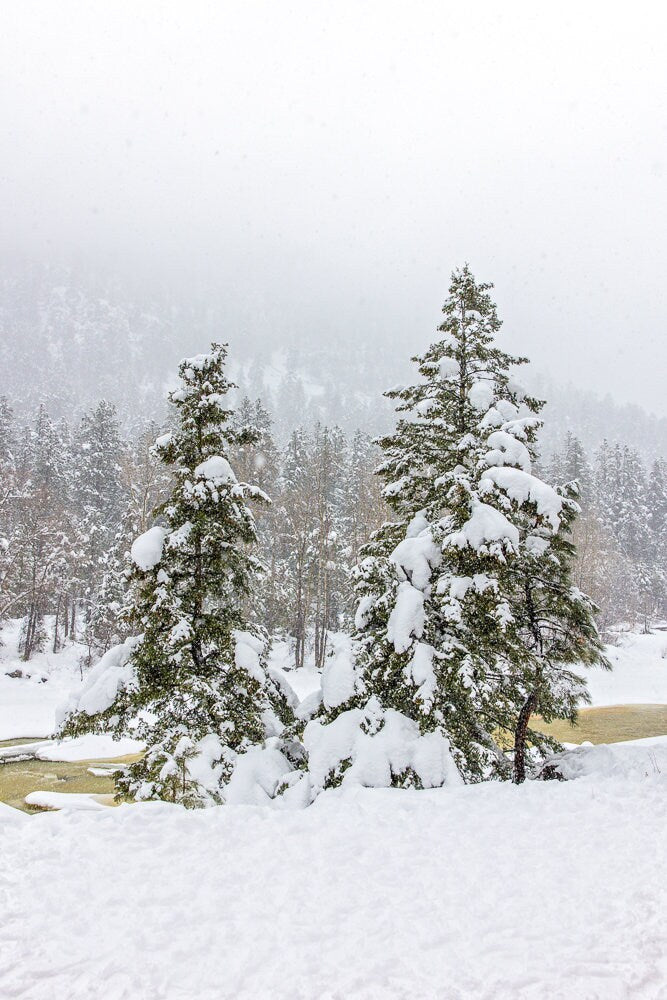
x,y
68,338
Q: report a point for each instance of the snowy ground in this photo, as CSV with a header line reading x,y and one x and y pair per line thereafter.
x,y
493,892
639,675
552,890
28,704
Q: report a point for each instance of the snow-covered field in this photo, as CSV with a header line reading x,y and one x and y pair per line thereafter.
x,y
551,890
554,890
639,675
28,704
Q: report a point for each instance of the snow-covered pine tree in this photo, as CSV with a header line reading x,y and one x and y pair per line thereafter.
x,y
97,487
194,685
296,527
573,466
441,648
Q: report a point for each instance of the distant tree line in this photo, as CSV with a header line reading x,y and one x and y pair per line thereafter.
x,y
621,534
73,498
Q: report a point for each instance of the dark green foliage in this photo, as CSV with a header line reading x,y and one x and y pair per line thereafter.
x,y
199,692
466,606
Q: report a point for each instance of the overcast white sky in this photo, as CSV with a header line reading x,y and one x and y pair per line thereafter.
x,y
342,157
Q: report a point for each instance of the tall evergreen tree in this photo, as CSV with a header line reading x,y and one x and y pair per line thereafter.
x,y
195,684
441,638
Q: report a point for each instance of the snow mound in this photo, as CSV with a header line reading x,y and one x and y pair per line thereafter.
x,y
407,617
485,526
92,746
634,760
377,744
100,689
65,800
216,469
257,776
338,675
146,550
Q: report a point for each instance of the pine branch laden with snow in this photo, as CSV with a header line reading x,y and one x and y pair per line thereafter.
x,y
194,684
443,636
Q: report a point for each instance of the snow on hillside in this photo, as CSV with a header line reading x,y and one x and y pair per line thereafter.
x,y
491,892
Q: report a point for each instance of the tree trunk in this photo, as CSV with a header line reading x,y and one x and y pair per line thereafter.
x,y
56,623
527,710
72,627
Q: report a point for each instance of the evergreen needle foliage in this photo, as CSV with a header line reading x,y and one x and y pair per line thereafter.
x,y
194,685
467,620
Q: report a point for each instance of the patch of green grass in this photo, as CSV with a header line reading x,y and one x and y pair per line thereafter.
x,y
22,741
20,777
609,724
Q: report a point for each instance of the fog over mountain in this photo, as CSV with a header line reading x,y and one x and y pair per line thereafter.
x,y
308,175
70,339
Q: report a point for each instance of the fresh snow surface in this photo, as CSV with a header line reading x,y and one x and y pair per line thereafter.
x,y
492,892
28,704
92,746
65,800
216,469
146,550
639,675
27,707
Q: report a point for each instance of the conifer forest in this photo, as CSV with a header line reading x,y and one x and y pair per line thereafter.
x,y
333,503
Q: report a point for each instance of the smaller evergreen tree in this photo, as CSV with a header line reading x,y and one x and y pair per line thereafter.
x,y
195,684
